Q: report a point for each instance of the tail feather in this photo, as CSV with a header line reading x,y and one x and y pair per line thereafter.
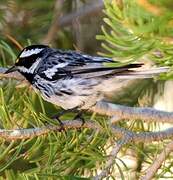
x,y
144,73
94,71
129,71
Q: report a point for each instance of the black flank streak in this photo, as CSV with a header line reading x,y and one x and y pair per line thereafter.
x,y
46,94
58,93
67,92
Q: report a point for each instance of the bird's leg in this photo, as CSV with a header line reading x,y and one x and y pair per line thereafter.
x,y
79,115
57,116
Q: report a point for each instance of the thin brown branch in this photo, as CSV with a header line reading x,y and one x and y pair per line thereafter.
x,y
118,132
151,171
60,21
14,75
132,113
34,132
144,137
14,41
112,157
80,14
54,27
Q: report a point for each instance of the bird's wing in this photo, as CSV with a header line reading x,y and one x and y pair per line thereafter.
x,y
64,64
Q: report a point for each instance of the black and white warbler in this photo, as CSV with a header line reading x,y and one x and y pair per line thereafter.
x,y
71,79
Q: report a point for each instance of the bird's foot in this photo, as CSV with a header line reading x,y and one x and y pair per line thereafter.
x,y
80,117
57,117
62,128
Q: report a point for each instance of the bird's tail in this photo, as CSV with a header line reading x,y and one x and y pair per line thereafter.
x,y
142,73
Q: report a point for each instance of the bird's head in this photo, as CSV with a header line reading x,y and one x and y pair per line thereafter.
x,y
28,59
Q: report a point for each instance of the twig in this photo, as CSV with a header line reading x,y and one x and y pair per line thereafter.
x,y
34,132
132,113
111,159
144,137
119,132
14,41
14,75
54,25
151,171
60,21
80,14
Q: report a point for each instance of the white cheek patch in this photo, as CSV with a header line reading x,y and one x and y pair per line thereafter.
x,y
23,69
34,66
27,53
51,71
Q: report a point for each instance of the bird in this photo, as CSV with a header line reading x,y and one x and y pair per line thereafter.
x,y
74,80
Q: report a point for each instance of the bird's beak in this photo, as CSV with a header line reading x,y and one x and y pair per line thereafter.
x,y
12,69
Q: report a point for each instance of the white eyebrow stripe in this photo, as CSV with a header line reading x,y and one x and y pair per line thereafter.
x,y
27,53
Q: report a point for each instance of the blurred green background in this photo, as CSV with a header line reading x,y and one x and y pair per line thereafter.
x,y
61,24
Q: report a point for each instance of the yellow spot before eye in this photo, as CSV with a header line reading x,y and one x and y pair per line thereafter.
x,y
17,60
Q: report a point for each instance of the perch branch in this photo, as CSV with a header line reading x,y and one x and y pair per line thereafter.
x,y
118,132
151,171
133,113
34,132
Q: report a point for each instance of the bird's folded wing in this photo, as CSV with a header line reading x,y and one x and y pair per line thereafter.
x,y
87,71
